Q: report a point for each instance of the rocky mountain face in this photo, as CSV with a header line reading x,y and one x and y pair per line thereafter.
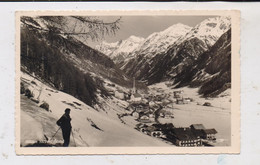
x,y
66,63
211,71
163,65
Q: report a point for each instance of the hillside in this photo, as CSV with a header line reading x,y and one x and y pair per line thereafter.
x,y
90,128
67,63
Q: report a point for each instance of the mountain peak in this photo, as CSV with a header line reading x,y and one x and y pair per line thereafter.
x,y
120,48
177,29
209,30
179,25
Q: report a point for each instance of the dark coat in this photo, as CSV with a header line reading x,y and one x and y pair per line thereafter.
x,y
64,122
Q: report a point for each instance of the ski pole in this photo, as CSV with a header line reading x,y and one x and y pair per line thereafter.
x,y
55,134
73,138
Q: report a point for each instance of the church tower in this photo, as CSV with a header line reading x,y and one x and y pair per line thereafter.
x,y
134,90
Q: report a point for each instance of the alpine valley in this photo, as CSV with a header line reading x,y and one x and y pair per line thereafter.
x,y
133,92
164,55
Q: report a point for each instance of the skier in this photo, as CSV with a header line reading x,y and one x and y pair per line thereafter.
x,y
64,123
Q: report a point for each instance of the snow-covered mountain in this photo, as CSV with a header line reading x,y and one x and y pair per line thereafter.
x,y
155,43
158,42
119,50
209,30
185,49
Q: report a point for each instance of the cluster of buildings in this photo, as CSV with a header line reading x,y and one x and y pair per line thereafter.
x,y
131,96
179,99
147,108
195,135
155,130
146,113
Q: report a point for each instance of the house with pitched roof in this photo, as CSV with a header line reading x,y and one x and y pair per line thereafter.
x,y
136,97
197,126
184,137
209,134
119,94
201,131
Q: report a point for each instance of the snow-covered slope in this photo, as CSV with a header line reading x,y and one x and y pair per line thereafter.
x,y
89,126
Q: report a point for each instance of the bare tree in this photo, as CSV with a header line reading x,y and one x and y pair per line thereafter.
x,y
82,27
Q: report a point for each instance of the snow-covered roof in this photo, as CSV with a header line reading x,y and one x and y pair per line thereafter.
x,y
198,126
210,131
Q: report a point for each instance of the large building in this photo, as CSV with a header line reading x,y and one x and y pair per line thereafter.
x,y
195,135
202,132
184,137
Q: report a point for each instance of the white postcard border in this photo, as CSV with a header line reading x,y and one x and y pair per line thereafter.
x,y
235,90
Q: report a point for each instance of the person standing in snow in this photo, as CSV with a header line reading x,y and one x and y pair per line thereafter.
x,y
64,123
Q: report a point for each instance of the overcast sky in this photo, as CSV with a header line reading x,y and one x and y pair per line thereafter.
x,y
143,26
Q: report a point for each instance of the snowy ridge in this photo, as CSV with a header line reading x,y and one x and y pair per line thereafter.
x,y
207,31
155,43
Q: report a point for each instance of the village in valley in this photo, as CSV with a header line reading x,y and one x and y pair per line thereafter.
x,y
120,94
152,113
